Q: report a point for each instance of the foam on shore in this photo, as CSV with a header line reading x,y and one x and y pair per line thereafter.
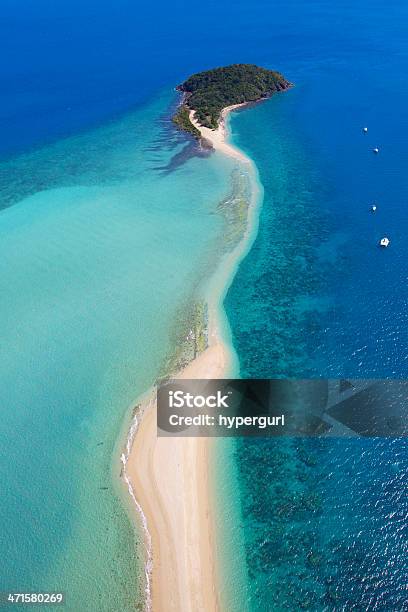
x,y
124,458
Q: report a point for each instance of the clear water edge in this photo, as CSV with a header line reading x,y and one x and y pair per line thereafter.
x,y
53,205
231,560
334,54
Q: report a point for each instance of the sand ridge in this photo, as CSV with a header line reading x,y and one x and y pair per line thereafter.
x,y
170,477
218,138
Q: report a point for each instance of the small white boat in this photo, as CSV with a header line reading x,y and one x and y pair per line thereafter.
x,y
365,130
384,242
376,150
373,208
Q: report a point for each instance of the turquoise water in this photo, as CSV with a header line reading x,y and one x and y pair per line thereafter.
x,y
101,244
99,230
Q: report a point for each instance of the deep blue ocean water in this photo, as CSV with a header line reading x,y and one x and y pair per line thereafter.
x,y
327,529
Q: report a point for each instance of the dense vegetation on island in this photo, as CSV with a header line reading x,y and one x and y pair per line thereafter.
x,y
208,93
182,120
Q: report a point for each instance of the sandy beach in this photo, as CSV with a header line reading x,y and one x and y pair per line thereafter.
x,y
170,477
218,138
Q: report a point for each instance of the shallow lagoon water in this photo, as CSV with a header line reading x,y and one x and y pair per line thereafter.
x,y
315,297
97,263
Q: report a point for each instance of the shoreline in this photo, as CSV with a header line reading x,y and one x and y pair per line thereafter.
x,y
218,138
169,478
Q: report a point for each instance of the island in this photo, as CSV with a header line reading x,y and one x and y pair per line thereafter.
x,y
171,477
208,93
